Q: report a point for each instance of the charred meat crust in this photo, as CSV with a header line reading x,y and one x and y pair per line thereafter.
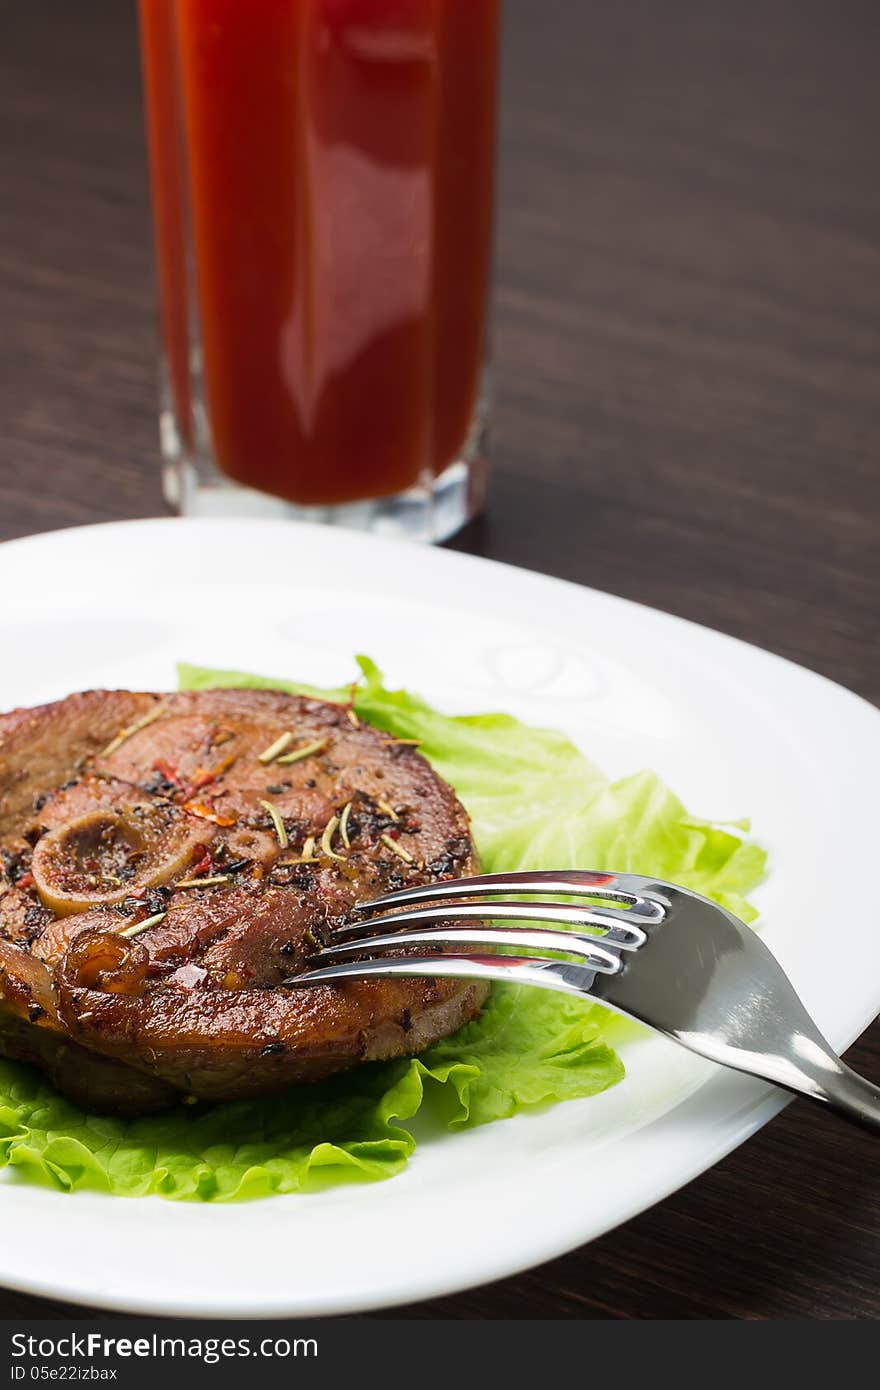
x,y
168,860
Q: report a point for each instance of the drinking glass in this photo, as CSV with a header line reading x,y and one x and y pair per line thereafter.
x,y
322,184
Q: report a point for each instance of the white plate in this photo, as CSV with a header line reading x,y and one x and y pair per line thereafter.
x,y
733,729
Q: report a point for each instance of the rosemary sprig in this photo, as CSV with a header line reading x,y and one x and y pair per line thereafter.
x,y
327,838
280,832
134,728
305,751
138,927
269,754
401,853
308,855
206,881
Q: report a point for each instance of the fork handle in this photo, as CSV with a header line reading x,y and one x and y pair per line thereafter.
x,y
851,1096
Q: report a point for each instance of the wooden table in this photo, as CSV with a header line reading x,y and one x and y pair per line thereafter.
x,y
688,349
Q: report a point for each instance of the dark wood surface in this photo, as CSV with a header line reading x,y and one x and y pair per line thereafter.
x,y
688,351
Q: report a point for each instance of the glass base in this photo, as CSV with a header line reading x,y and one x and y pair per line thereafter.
x,y
430,512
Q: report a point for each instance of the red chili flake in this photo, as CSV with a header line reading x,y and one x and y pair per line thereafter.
x,y
198,808
205,776
205,864
168,771
26,881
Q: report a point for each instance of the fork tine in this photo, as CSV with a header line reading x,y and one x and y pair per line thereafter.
x,y
588,948
526,970
620,929
645,895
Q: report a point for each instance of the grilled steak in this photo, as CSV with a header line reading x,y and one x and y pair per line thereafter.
x,y
168,861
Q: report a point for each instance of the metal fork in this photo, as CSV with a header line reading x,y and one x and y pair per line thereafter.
x,y
666,956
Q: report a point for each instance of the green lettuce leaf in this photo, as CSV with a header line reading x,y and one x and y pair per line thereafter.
x,y
535,802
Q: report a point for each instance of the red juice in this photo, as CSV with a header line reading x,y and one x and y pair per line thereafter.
x,y
330,165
